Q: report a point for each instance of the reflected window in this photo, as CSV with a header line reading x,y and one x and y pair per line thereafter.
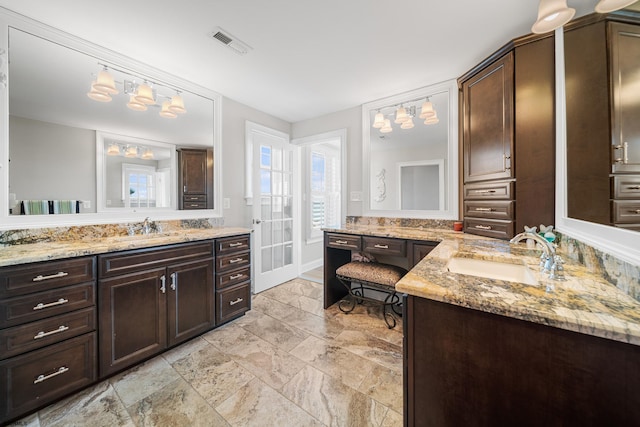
x,y
139,186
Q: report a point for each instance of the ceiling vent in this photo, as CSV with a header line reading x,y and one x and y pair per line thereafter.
x,y
229,41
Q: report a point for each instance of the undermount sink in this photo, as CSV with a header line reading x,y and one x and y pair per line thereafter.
x,y
492,270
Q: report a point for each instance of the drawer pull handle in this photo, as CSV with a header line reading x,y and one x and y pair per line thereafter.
x,y
236,276
341,242
485,209
163,284
40,277
485,191
484,227
174,281
193,198
239,300
633,187
193,205
41,305
235,245
42,334
235,261
381,246
636,211
42,378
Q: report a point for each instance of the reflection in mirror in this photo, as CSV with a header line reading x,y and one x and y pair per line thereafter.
x,y
55,118
410,154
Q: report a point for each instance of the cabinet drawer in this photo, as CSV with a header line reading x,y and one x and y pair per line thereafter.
x,y
144,259
494,190
383,245
194,205
232,261
625,187
42,376
194,198
344,241
232,302
229,278
626,212
38,306
489,227
232,244
36,277
494,209
34,335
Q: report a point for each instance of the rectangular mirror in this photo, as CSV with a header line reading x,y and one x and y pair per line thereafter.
x,y
59,132
410,166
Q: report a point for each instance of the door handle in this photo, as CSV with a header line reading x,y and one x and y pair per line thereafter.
x,y
174,281
163,283
256,221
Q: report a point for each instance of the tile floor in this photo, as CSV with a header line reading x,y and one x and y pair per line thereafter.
x,y
287,362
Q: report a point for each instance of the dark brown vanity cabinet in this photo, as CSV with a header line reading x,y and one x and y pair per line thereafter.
x,y
47,333
195,175
508,139
151,299
233,277
603,143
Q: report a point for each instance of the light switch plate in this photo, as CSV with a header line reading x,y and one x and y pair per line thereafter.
x,y
356,196
226,203
86,204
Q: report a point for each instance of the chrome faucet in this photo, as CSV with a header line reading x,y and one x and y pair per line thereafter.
x,y
549,261
146,226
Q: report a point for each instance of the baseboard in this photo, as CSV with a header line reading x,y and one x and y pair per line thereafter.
x,y
310,265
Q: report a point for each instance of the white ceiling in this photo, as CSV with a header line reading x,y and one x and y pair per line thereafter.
x,y
308,58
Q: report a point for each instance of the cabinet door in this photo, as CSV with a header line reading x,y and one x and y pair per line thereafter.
x,y
191,297
133,323
487,111
625,60
419,251
193,167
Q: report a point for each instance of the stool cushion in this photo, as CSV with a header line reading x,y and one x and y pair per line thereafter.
x,y
372,272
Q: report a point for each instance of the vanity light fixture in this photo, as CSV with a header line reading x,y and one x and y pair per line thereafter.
x,y
432,120
554,14
113,150
105,83
148,154
427,110
136,105
177,104
408,124
166,111
378,121
131,151
144,94
401,115
387,126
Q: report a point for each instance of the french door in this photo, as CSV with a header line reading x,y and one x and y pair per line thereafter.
x,y
274,214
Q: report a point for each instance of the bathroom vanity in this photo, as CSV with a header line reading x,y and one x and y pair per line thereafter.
x,y
77,312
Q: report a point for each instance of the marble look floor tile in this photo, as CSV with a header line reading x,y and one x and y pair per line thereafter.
x,y
371,348
30,421
385,386
332,402
143,380
276,332
334,361
304,288
228,337
185,349
393,419
213,374
270,306
302,302
249,317
176,404
257,404
368,319
97,406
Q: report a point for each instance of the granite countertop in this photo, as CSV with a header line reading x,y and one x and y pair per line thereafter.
x,y
583,302
46,251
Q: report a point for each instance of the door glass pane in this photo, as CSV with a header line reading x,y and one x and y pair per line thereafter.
x,y
277,159
278,258
277,207
277,232
288,158
287,230
287,208
265,157
288,254
286,184
276,188
265,182
266,260
267,239
265,208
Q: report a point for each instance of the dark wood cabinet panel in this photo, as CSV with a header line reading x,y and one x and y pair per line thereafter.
x,y
233,302
232,244
344,241
467,367
488,123
233,277
496,228
233,261
37,378
190,300
490,209
419,250
133,323
195,178
384,246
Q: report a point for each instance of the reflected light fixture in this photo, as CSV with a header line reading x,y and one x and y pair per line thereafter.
x,y
105,83
148,154
432,120
136,105
401,115
552,14
99,96
166,111
113,150
144,94
378,121
427,110
131,151
177,104
387,126
408,124
606,6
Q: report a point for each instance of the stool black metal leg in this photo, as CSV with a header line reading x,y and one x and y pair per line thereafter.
x,y
389,317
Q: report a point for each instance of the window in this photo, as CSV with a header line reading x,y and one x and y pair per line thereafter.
x,y
138,186
324,187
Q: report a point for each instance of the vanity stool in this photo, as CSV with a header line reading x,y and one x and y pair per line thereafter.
x,y
372,276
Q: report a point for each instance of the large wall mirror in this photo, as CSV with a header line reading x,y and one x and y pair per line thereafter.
x,y
410,165
60,144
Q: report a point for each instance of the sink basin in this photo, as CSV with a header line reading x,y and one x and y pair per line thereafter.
x,y
492,270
